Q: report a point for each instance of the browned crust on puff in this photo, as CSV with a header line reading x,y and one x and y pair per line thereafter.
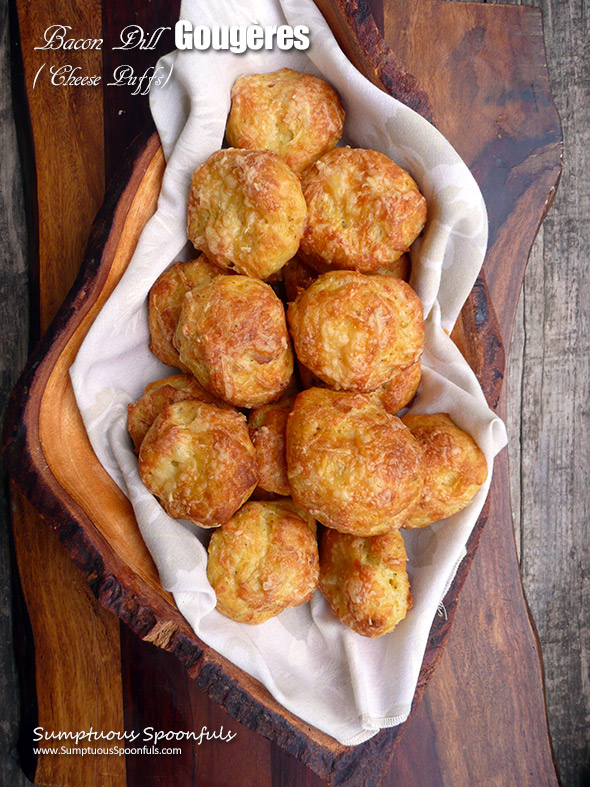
x,y
165,301
246,211
455,468
298,116
351,465
354,332
264,560
364,580
232,335
177,388
399,391
364,211
267,426
199,461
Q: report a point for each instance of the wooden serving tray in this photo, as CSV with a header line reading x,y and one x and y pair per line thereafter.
x,y
513,147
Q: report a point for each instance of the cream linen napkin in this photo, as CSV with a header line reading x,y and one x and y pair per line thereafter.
x,y
344,684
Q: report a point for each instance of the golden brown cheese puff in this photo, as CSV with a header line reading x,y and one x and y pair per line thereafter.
x,y
199,461
246,211
350,464
454,468
264,560
232,335
142,413
364,211
295,115
354,331
400,268
400,389
364,580
267,426
165,301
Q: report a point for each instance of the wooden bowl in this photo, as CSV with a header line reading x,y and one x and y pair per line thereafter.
x,y
47,451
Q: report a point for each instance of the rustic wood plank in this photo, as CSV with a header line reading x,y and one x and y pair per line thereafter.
x,y
554,425
76,680
68,148
547,411
548,438
173,703
548,366
13,353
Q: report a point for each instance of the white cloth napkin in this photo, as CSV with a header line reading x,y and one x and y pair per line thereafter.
x,y
344,684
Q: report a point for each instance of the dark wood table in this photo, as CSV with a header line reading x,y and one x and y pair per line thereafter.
x,y
483,717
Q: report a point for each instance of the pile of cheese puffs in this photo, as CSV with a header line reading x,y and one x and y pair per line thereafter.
x,y
298,340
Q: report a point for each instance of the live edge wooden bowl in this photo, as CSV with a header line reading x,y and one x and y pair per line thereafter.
x,y
48,453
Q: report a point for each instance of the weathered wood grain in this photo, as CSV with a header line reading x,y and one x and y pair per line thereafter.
x,y
355,21
547,411
77,676
13,353
74,137
173,704
549,374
